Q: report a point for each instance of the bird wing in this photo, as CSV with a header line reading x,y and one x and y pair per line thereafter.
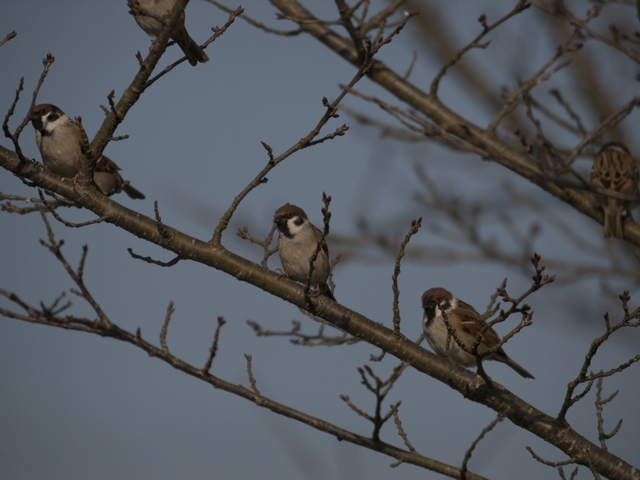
x,y
323,245
472,323
105,164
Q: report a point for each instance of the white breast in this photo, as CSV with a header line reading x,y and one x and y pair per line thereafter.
x,y
436,334
60,151
295,253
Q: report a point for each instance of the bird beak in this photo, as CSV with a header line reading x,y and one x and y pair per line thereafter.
x,y
429,306
279,220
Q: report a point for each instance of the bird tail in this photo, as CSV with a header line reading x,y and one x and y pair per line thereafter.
x,y
133,192
521,371
192,50
612,223
327,292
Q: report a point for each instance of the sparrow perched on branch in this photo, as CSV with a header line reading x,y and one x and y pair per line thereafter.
x,y
466,322
59,140
614,169
153,27
297,241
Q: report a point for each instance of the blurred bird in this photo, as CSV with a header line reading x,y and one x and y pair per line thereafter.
x,y
153,27
297,241
59,141
614,169
466,322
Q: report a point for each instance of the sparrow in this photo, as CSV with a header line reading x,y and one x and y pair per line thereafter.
x,y
466,322
59,141
614,169
297,241
152,27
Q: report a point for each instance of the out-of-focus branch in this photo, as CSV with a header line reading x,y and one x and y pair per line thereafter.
x,y
558,8
465,241
494,148
260,25
520,6
436,32
319,339
536,79
427,128
606,124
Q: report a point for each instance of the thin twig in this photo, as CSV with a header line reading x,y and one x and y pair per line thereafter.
x,y
319,339
170,263
599,404
308,140
401,432
415,226
252,380
165,327
51,209
312,259
214,348
582,377
244,234
468,453
216,33
76,276
551,464
8,37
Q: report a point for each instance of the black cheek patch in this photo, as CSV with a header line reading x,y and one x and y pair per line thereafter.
x,y
298,221
37,124
430,311
284,229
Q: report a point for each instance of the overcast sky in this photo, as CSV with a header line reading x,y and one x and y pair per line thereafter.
x,y
77,406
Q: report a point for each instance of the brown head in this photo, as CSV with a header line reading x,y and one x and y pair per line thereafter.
x,y
616,146
436,297
289,219
43,115
437,294
289,211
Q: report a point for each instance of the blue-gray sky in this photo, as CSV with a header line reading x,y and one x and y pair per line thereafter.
x,y
76,406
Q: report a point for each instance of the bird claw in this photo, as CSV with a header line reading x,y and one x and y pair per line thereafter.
x,y
317,290
282,274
